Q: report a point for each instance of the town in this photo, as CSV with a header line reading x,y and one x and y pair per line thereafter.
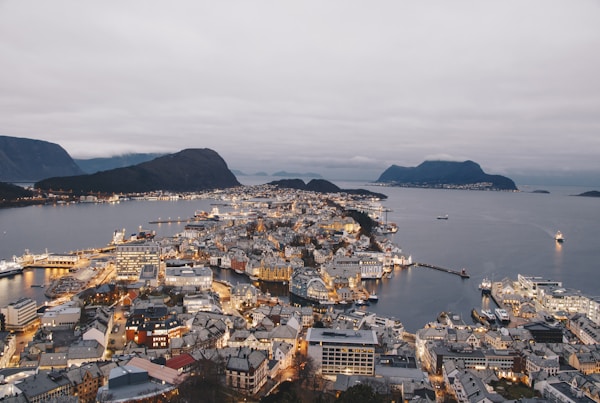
x,y
145,319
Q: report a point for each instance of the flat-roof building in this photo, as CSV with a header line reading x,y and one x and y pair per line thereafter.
x,y
343,351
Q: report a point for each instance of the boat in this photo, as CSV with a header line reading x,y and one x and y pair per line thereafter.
x,y
389,228
10,268
488,315
559,237
486,286
361,302
238,271
502,315
442,217
479,317
373,297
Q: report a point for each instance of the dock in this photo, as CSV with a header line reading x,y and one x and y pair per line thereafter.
x,y
461,273
170,221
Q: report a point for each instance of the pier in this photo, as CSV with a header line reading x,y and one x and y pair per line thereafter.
x,y
171,221
461,273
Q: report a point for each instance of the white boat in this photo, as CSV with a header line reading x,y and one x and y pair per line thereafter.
x,y
373,297
389,228
502,315
442,217
361,302
486,286
10,268
488,315
559,237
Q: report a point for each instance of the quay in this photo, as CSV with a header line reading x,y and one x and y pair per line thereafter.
x,y
171,221
461,273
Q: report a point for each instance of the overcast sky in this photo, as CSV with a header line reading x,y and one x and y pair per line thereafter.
x,y
342,88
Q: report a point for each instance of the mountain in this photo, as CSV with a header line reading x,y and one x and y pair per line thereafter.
x,y
9,191
186,171
296,174
322,186
93,165
28,160
438,174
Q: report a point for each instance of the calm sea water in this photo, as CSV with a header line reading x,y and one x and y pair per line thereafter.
x,y
491,234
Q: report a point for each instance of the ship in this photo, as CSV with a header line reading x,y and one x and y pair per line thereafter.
x,y
559,237
488,315
486,286
10,268
479,317
442,217
373,297
389,228
502,315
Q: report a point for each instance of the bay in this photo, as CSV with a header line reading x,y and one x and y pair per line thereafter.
x,y
490,234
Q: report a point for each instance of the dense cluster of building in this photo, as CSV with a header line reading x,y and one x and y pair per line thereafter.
x,y
163,317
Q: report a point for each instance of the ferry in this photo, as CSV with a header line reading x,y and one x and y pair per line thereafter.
x,y
486,286
502,315
559,237
10,268
361,302
488,315
479,317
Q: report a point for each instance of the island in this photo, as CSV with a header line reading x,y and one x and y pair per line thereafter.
x,y
445,175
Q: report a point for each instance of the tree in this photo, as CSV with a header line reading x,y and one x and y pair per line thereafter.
x,y
360,393
306,367
285,394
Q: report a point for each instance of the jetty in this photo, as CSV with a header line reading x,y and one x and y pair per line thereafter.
x,y
461,273
171,221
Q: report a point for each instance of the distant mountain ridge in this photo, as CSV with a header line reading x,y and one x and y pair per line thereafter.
x,y
438,174
186,171
286,174
322,186
28,160
93,165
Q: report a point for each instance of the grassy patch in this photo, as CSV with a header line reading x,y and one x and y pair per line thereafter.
x,y
512,390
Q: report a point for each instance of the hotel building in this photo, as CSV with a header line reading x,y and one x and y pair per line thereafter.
x,y
19,314
133,256
344,351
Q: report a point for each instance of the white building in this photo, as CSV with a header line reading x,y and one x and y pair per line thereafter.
x,y
65,315
19,314
343,351
199,277
199,303
132,256
243,294
247,372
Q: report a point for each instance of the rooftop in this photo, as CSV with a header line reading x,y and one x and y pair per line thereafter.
x,y
345,336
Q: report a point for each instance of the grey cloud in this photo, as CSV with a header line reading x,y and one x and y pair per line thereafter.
x,y
340,85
